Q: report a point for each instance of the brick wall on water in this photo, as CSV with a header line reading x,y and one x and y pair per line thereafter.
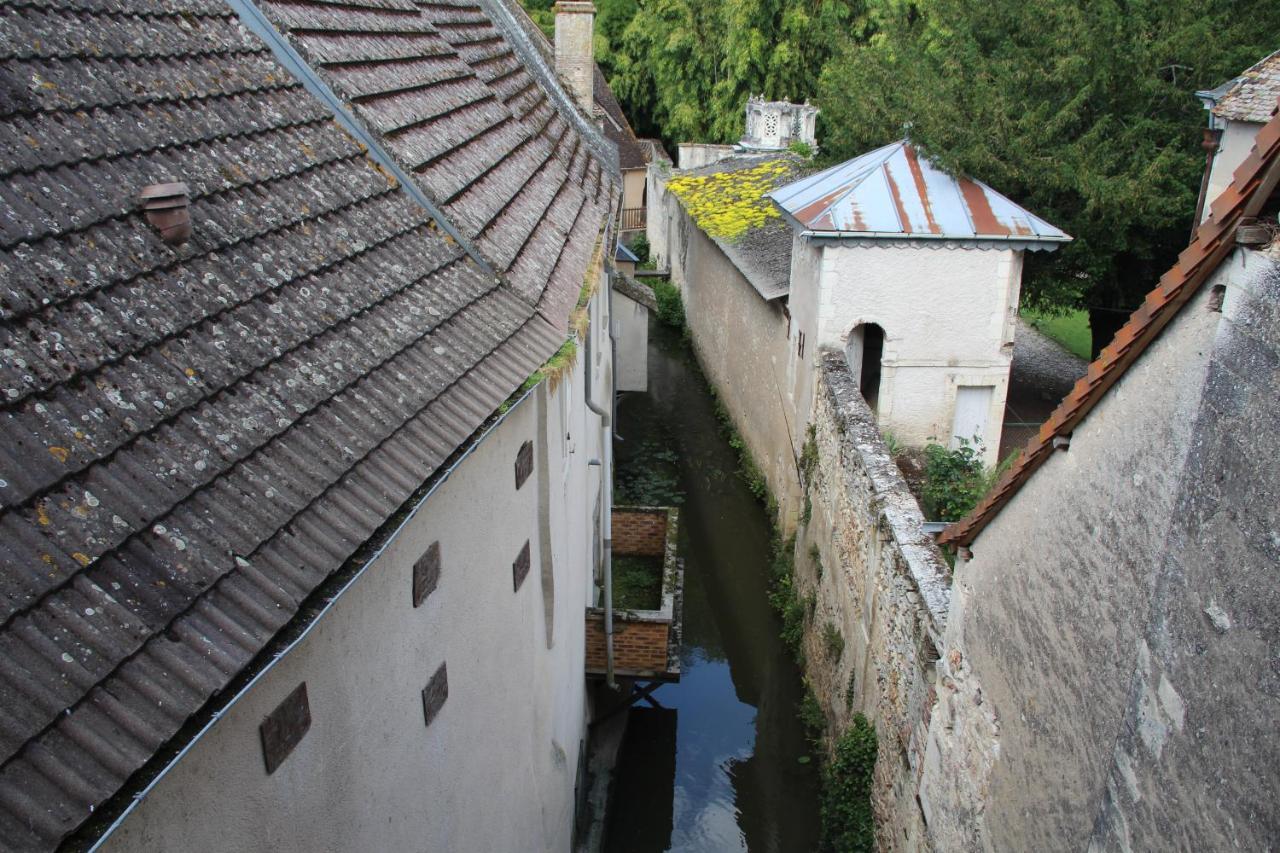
x,y
637,646
640,532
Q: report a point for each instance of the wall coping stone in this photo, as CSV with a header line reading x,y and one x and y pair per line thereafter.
x,y
898,511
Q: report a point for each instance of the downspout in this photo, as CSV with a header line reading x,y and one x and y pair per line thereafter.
x,y
606,421
1210,143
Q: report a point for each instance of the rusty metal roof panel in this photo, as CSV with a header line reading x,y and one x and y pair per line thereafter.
x,y
193,437
893,193
1213,241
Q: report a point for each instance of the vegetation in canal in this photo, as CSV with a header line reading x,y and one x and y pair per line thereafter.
x,y
848,825
650,475
637,582
791,607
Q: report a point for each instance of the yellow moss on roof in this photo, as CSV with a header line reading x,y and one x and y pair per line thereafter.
x,y
727,205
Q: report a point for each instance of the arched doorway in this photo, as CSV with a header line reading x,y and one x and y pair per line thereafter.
x,y
864,352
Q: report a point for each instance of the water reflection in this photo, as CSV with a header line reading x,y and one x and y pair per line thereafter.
x,y
737,782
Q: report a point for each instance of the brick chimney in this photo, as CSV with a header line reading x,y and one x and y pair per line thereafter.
x,y
575,61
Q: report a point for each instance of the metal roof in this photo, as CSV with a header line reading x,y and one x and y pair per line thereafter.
x,y
1251,96
194,438
893,193
1252,184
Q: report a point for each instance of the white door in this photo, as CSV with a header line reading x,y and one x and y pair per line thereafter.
x,y
973,404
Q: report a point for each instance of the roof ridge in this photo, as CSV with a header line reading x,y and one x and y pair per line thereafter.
x,y
1210,244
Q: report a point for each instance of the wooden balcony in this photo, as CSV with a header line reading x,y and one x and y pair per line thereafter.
x,y
646,642
633,218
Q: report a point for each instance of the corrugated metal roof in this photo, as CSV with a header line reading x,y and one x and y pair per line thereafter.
x,y
192,439
894,193
1252,96
1253,182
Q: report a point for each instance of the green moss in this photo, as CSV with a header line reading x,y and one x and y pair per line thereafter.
x,y
727,205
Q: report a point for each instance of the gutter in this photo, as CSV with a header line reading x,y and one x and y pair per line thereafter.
x,y
898,235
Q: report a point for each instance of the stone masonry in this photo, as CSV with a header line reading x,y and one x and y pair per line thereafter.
x,y
880,581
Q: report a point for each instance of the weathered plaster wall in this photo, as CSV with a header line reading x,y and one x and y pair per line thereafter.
x,y
694,155
633,181
370,774
631,325
741,343
948,314
883,585
1236,142
1109,677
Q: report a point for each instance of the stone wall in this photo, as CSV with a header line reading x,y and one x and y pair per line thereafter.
x,y
742,346
883,585
1109,675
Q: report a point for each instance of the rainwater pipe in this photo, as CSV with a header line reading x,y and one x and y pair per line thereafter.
x,y
606,421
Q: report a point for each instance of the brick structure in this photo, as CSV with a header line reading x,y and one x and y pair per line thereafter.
x,y
645,642
639,531
638,646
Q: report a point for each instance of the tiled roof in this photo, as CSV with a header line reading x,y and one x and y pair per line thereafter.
x,y
193,439
616,127
894,193
737,188
1254,94
1254,181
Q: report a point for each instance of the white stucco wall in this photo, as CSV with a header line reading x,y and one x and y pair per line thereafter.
x,y
631,325
948,315
495,770
1235,145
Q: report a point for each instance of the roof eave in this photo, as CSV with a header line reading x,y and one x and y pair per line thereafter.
x,y
1035,244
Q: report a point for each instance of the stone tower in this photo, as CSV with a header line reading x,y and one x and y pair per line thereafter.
x,y
776,125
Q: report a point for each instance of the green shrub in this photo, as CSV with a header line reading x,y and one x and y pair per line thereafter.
x,y
670,306
640,246
954,480
804,149
812,718
847,822
832,641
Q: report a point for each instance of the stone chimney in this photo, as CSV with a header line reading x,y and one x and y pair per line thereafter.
x,y
575,59
776,125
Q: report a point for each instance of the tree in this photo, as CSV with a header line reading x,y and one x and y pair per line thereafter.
x,y
1081,112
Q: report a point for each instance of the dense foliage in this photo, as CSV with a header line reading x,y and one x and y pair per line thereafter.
x,y
1082,112
847,822
954,480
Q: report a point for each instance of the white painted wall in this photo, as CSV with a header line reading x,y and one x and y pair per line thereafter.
x,y
1235,145
948,314
631,325
495,770
694,155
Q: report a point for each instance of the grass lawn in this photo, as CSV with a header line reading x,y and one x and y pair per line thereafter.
x,y
1071,330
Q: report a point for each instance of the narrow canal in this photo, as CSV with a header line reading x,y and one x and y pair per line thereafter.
x,y
736,776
